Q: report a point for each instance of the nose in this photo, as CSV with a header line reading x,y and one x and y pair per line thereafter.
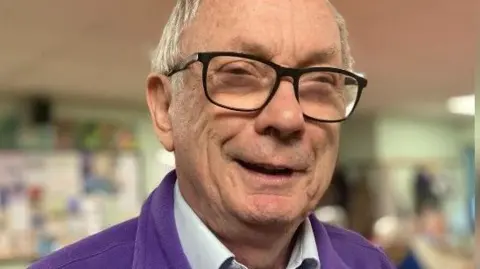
x,y
282,117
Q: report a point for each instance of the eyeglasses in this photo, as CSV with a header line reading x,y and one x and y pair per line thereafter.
x,y
243,82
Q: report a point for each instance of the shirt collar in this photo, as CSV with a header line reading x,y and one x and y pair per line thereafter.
x,y
204,250
305,250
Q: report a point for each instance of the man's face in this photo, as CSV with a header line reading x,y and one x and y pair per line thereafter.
x,y
213,144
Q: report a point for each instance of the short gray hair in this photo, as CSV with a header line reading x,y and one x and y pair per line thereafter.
x,y
168,51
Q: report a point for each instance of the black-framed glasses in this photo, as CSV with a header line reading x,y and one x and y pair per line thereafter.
x,y
244,82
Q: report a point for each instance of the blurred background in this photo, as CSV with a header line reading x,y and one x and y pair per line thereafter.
x,y
78,152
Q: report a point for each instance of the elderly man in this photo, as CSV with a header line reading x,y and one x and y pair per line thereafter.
x,y
249,95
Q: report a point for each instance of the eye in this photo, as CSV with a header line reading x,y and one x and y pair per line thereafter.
x,y
324,78
240,68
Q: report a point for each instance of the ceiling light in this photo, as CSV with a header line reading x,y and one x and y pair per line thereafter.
x,y
463,105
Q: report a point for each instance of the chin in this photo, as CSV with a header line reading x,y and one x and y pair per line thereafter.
x,y
270,209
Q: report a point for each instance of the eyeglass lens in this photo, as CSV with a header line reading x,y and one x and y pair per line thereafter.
x,y
246,84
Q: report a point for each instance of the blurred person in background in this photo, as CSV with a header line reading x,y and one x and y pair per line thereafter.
x,y
393,234
429,245
424,194
250,102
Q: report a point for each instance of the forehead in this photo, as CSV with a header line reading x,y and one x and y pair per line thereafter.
x,y
289,29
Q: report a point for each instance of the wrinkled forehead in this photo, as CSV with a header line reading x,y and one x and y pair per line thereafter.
x,y
293,29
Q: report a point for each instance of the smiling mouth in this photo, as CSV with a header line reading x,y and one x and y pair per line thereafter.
x,y
266,169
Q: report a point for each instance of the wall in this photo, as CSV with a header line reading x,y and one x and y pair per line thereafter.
x,y
358,136
394,144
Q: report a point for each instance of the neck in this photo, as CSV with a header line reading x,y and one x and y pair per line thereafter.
x,y
257,246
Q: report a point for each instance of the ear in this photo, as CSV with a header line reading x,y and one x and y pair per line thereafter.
x,y
159,96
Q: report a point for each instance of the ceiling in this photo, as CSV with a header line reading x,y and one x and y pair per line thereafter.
x,y
415,53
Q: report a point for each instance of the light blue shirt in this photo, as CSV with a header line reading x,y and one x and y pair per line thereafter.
x,y
204,251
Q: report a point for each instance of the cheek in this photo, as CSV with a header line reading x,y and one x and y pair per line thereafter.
x,y
326,142
332,132
201,128
189,125
188,117
227,124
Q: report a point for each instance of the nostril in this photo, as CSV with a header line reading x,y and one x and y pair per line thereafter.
x,y
280,135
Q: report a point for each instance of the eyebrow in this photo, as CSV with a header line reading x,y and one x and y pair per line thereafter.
x,y
323,56
253,48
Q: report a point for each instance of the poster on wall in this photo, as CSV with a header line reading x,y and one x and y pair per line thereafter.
x,y
11,163
112,173
98,172
67,193
127,175
54,176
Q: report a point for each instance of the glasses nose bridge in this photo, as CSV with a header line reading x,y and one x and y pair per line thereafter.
x,y
292,73
287,72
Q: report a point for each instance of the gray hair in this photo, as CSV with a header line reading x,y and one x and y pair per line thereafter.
x,y
168,51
